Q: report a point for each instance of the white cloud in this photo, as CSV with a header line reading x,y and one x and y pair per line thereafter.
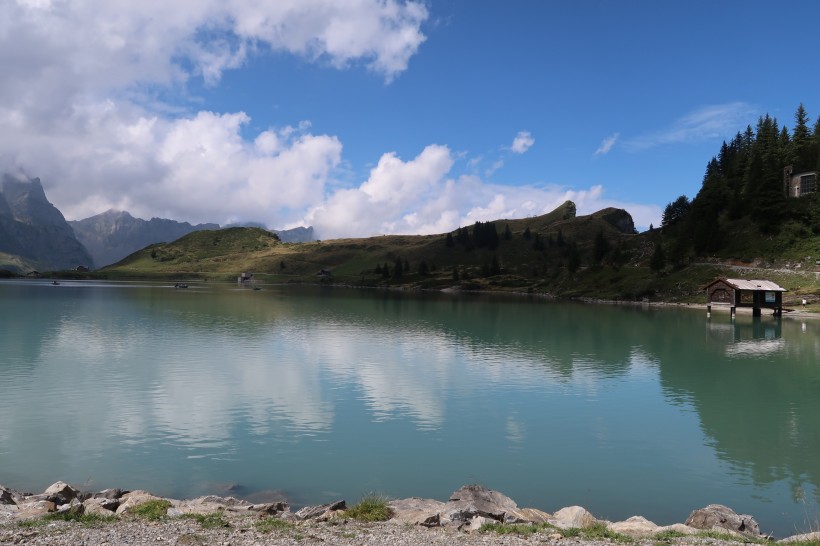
x,y
435,202
607,144
706,123
79,100
522,142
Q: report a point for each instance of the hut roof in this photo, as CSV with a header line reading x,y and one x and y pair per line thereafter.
x,y
752,284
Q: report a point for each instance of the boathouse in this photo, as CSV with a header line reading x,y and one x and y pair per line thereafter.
x,y
734,293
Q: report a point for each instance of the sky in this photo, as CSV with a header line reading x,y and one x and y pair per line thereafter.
x,y
368,117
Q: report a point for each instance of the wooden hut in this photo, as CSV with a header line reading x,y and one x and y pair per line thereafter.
x,y
734,293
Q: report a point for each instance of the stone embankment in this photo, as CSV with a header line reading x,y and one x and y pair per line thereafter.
x,y
63,515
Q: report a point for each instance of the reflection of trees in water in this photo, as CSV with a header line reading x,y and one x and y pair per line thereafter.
x,y
757,394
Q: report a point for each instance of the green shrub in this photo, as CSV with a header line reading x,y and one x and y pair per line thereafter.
x,y
152,510
370,508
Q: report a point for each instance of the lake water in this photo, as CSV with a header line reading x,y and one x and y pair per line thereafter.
x,y
316,394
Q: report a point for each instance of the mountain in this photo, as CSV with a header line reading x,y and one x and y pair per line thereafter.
x,y
113,235
296,235
33,233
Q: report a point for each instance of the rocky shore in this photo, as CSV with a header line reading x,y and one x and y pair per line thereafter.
x,y
473,515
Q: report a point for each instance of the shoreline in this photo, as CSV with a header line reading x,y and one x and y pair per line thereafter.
x,y
63,515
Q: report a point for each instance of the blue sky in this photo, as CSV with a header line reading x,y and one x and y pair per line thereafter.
x,y
364,117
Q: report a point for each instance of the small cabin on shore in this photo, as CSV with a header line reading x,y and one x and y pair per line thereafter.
x,y
734,293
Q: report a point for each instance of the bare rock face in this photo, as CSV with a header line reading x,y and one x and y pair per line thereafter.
x,y
807,537
717,516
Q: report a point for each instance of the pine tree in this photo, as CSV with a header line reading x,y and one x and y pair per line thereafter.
x,y
507,232
527,234
658,260
600,247
448,241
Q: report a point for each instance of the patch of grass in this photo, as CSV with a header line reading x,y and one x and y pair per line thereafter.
x,y
153,510
668,535
718,535
209,521
84,519
268,525
600,530
371,508
523,529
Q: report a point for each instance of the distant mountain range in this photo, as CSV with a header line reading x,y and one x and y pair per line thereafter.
x,y
34,235
113,235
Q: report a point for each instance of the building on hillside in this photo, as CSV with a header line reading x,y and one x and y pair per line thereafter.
x,y
798,184
245,278
734,293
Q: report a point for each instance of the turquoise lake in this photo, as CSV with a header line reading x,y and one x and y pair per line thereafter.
x,y
314,394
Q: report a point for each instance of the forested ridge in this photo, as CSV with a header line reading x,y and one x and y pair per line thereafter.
x,y
742,207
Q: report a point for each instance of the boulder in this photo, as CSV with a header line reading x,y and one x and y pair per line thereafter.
x,y
135,498
101,506
573,517
210,504
319,512
477,522
636,526
61,493
109,494
270,508
475,500
807,537
417,511
6,496
678,528
34,509
719,517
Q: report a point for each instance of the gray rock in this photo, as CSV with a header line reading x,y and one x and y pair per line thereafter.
x,y
317,512
61,493
6,496
101,506
34,509
573,517
417,511
475,500
135,498
717,516
636,526
270,508
109,494
477,522
807,537
210,504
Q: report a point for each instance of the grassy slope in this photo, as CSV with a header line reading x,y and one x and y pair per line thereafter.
x,y
223,254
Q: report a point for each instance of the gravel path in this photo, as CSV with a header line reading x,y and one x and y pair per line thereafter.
x,y
243,532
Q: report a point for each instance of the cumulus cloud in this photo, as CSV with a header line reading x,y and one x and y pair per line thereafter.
x,y
420,196
607,144
84,100
522,142
84,105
